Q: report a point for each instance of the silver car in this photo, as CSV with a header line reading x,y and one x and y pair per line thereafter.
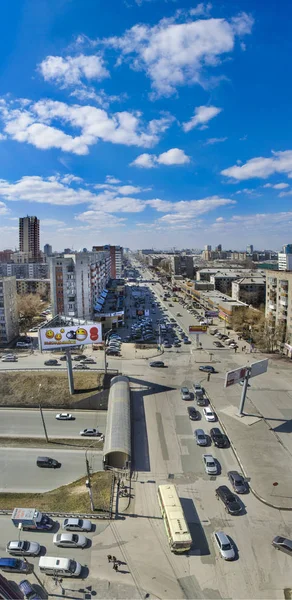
x,y
281,543
210,464
77,524
70,540
200,437
23,548
185,393
224,545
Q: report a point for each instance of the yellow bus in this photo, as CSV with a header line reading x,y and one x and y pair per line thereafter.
x,y
177,530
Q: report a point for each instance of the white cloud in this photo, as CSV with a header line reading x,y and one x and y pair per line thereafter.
x,y
215,140
201,10
147,161
99,220
113,180
34,126
281,162
202,115
3,209
174,156
160,205
280,186
259,223
101,98
51,223
188,210
69,178
72,69
43,190
175,54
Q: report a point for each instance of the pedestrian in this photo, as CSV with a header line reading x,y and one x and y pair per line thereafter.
x,y
116,566
114,559
109,557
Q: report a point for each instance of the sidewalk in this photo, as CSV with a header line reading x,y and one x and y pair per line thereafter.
x,y
261,439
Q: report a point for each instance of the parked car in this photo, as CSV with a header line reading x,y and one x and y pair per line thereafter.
x,y
90,432
27,590
81,368
9,359
185,393
201,437
64,357
284,544
70,540
230,502
218,344
238,482
88,361
187,341
52,362
197,387
224,545
23,345
209,414
156,363
207,369
209,464
217,437
23,548
194,415
65,417
72,524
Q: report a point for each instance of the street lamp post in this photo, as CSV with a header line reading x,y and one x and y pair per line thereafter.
x,y
42,417
105,339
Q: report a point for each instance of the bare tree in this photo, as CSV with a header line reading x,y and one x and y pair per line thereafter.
x,y
29,307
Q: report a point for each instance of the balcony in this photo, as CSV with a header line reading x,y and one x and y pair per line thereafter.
x,y
272,306
284,301
272,282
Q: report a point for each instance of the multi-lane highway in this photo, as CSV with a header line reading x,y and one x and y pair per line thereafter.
x,y
28,423
20,473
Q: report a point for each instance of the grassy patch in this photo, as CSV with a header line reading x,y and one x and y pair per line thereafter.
x,y
73,497
53,443
23,389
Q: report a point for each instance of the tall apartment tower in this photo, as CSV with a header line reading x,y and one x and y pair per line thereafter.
x,y
29,236
285,258
249,249
116,256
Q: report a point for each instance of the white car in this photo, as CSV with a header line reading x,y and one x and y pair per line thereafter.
x,y
77,524
70,540
209,463
64,417
224,545
209,414
91,432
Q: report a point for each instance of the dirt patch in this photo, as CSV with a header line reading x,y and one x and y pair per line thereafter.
x,y
72,498
76,444
24,390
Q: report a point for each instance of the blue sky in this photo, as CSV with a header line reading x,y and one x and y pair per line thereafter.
x,y
146,123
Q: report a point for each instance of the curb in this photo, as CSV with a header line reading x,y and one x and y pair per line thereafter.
x,y
254,492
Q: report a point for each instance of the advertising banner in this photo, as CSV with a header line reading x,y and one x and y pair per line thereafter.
x,y
233,377
75,335
198,329
259,367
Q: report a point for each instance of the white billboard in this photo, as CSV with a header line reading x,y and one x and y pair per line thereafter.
x,y
259,367
76,335
233,377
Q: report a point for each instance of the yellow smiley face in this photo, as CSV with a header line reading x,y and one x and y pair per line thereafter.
x,y
49,334
58,337
81,334
62,330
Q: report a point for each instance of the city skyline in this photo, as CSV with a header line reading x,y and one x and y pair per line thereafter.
x,y
158,128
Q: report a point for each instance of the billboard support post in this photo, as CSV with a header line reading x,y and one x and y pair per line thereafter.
x,y
244,390
70,372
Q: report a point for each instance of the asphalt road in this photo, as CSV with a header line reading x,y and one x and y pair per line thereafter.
x,y
19,472
28,423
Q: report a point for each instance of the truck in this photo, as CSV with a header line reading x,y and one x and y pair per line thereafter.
x,y
31,519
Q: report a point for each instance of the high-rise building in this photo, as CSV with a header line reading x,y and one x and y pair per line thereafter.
x,y
48,250
9,328
29,236
77,281
207,248
285,258
116,256
218,248
249,249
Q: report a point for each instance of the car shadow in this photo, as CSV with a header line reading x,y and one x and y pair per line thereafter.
x,y
218,465
43,551
232,542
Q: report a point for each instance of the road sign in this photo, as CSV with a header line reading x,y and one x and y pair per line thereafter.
x,y
259,367
198,329
233,377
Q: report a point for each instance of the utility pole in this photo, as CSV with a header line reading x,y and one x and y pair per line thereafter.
x,y
105,359
42,417
244,390
70,371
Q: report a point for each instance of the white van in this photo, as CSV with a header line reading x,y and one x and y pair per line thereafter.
x,y
53,565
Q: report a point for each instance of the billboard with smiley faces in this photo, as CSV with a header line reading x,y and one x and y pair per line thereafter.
x,y
62,337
